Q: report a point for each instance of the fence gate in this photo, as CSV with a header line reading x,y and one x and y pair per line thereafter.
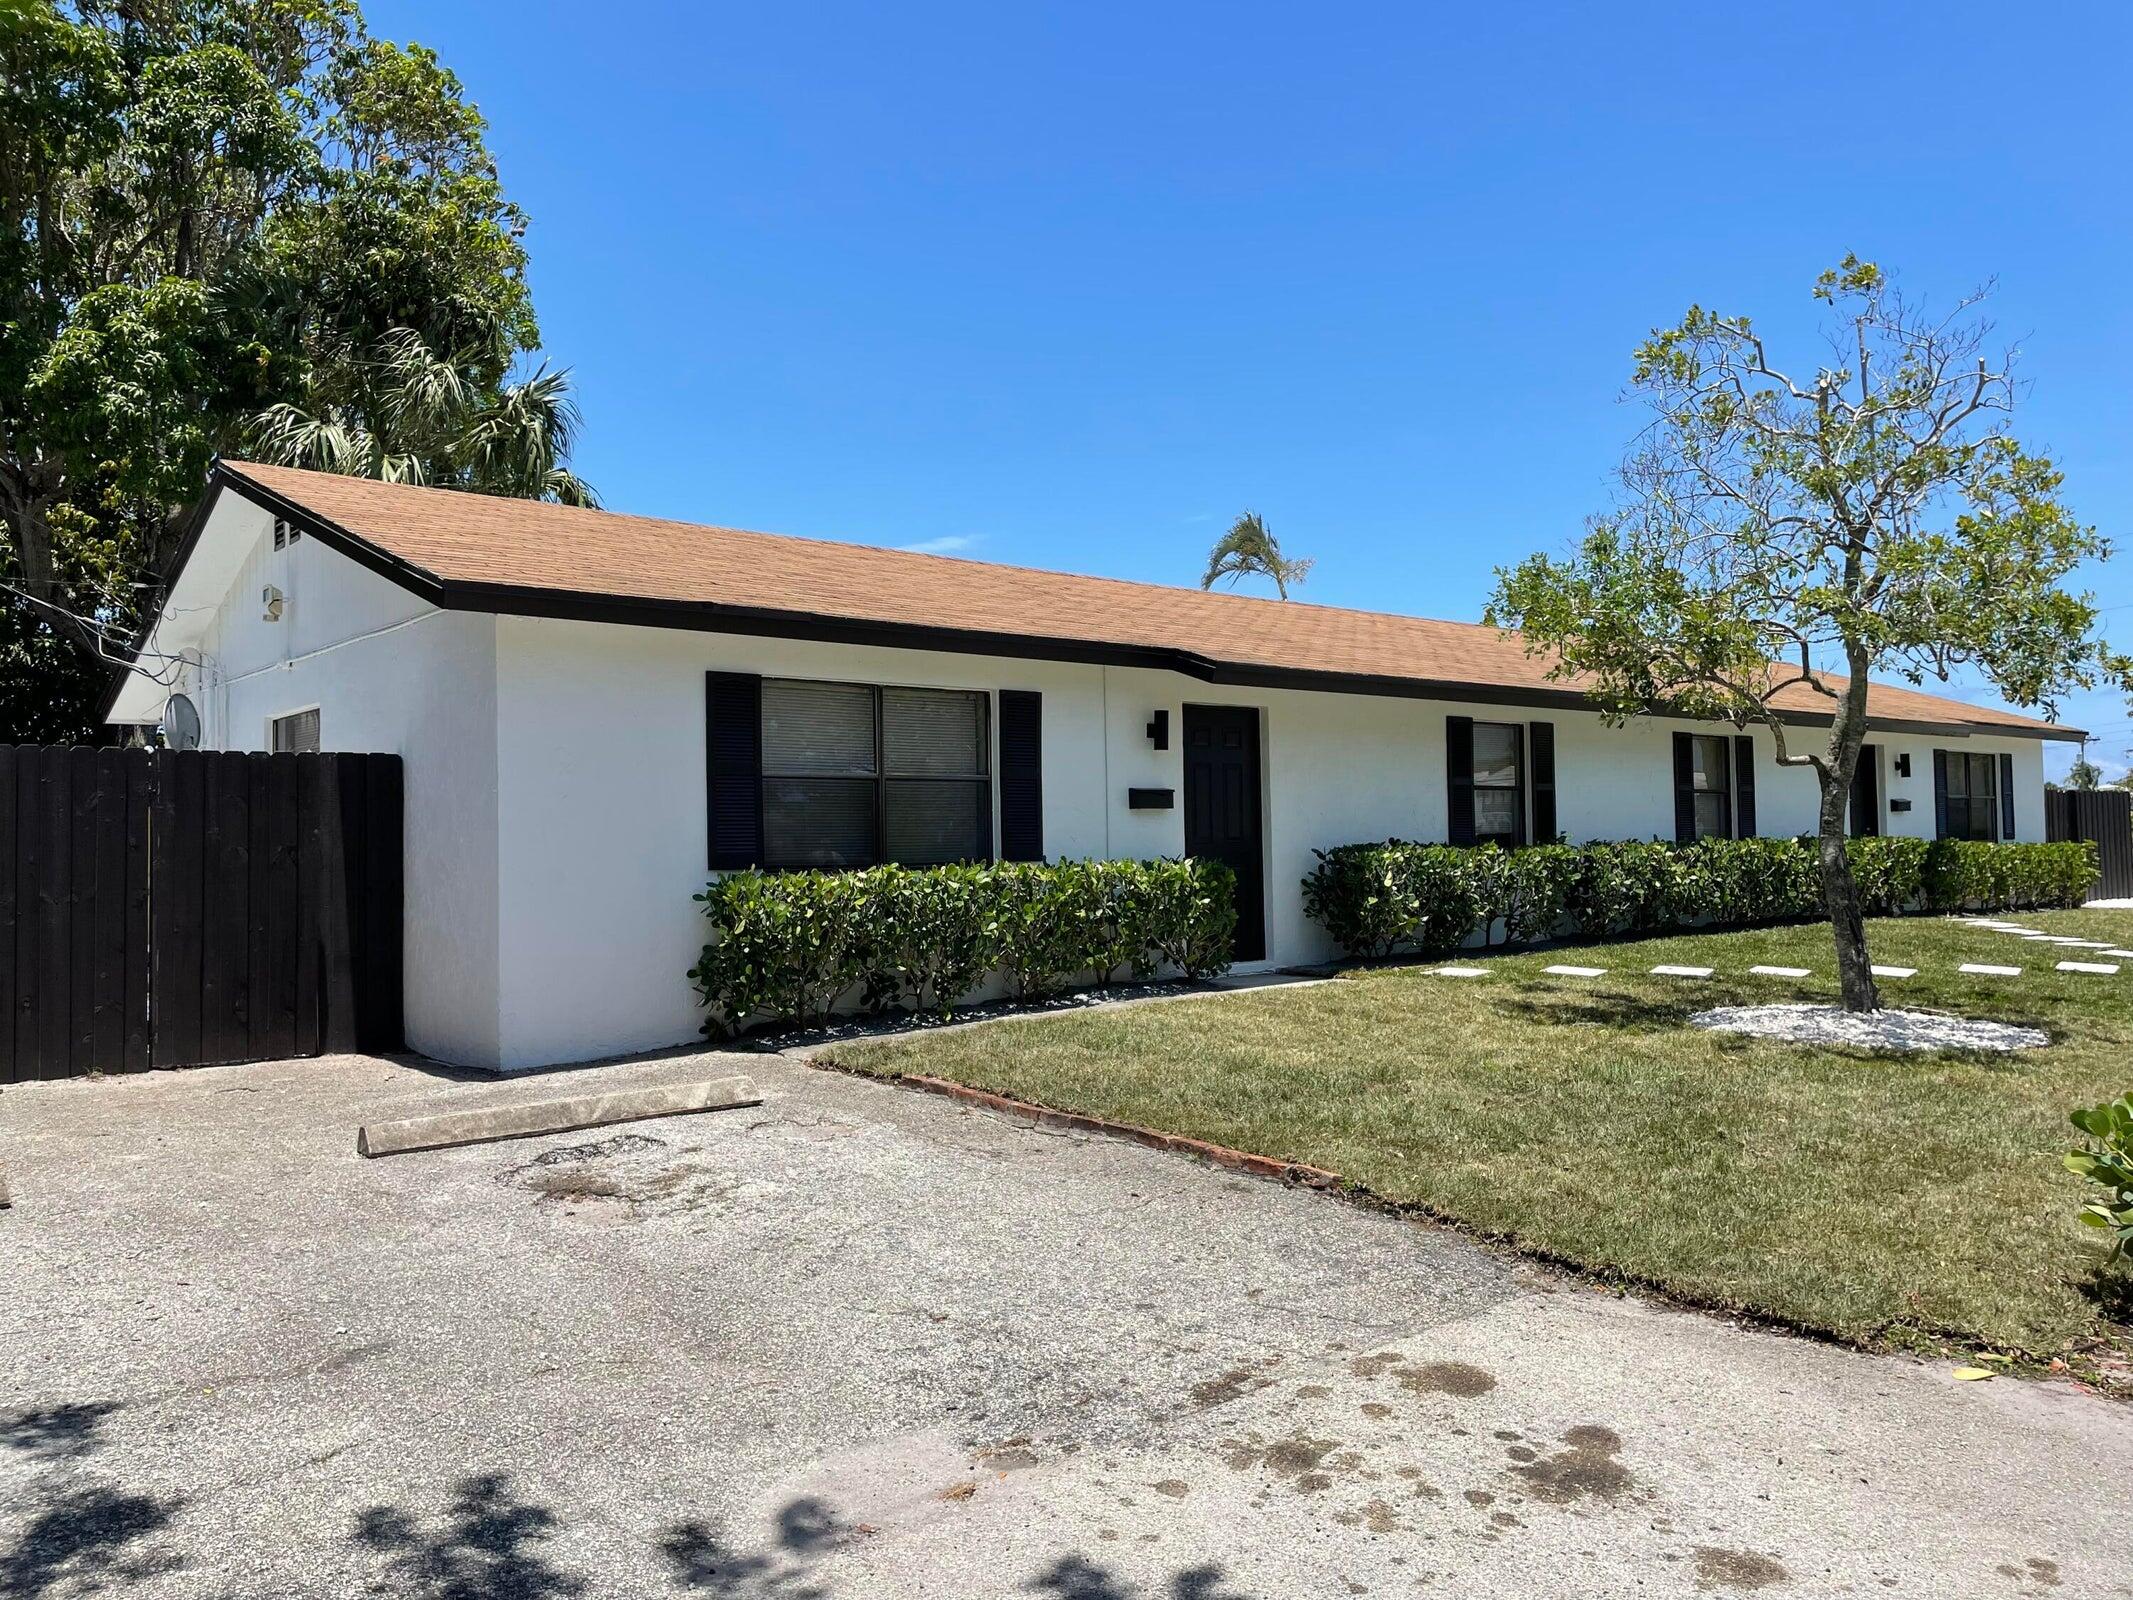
x,y
180,908
2104,815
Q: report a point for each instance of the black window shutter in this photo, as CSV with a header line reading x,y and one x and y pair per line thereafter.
x,y
1743,786
1940,794
1540,738
1021,775
1459,779
1684,789
1866,792
733,746
2007,797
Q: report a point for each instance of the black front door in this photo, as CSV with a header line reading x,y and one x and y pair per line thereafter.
x,y
1222,809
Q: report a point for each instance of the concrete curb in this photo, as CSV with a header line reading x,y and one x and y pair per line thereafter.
x,y
528,1118
1290,1172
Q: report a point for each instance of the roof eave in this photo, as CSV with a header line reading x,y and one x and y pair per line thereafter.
x,y
703,616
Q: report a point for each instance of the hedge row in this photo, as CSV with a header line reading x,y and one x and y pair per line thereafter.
x,y
792,947
1377,899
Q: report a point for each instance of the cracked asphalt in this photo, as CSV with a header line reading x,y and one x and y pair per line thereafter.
x,y
863,1342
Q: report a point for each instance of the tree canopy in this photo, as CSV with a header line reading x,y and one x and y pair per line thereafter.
x,y
234,226
1779,527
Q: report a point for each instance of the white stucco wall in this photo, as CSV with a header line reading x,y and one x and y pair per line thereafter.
x,y
390,673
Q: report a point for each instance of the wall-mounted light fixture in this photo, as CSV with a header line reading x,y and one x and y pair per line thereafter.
x,y
1159,730
1903,764
271,603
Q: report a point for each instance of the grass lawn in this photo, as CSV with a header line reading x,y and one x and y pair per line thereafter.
x,y
1886,1199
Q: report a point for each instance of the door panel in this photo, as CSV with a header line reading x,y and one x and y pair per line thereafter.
x,y
1222,810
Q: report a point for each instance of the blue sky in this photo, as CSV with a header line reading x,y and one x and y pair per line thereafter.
x,y
1072,286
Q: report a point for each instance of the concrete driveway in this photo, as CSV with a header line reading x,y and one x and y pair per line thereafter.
x,y
862,1342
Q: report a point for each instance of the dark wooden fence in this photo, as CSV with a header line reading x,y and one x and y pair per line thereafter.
x,y
172,909
2104,815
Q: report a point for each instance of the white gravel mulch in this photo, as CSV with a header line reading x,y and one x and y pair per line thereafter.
x,y
1874,1030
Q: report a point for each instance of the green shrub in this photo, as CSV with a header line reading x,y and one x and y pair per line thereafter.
x,y
1379,898
1633,886
1729,881
2108,1159
1964,874
1364,895
1192,916
790,944
1049,926
933,939
1528,891
790,947
1428,899
1890,873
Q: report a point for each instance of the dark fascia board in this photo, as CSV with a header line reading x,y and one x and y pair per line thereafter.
x,y
699,616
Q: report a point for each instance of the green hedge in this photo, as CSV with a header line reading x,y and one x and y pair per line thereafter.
x,y
792,947
1378,899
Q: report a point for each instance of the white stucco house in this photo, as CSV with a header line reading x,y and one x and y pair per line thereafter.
x,y
596,711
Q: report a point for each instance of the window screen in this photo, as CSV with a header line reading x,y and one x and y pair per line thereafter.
x,y
295,734
938,793
853,775
1499,801
1973,797
1710,775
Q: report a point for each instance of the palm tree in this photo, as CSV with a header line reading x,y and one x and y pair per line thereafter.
x,y
405,414
1249,548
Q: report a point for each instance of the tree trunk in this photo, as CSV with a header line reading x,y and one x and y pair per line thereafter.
x,y
1840,894
1840,897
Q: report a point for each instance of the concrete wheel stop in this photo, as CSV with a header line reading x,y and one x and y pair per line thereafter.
x,y
528,1119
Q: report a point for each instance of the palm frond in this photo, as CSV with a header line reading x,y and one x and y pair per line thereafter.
x,y
288,436
1250,549
420,391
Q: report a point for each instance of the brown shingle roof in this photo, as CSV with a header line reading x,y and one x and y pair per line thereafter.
x,y
524,555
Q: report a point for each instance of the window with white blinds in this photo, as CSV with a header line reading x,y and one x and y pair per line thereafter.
x,y
295,734
854,775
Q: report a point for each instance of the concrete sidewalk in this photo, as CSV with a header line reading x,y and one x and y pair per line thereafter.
x,y
859,1342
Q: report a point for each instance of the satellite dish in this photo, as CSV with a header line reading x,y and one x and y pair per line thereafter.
x,y
181,724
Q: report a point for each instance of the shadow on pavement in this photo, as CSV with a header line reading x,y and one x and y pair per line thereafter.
x,y
53,1433
486,1549
703,1563
84,1538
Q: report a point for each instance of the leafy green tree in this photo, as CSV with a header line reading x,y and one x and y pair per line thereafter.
x,y
1248,549
2084,773
220,220
1775,531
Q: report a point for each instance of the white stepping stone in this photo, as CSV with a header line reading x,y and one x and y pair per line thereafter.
x,y
1577,972
2124,954
1681,972
1894,972
2061,938
1984,970
1781,972
2093,944
2103,967
1459,972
